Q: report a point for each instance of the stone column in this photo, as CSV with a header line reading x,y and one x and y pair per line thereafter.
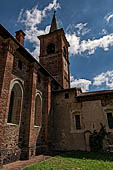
x,y
28,149
47,107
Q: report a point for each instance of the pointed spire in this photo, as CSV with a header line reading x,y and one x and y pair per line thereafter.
x,y
54,23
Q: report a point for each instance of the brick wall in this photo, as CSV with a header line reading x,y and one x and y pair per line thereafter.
x,y
23,140
5,72
54,62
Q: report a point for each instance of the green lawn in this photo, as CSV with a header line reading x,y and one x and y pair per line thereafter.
x,y
76,161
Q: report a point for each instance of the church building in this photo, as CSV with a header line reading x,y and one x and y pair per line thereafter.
x,y
39,112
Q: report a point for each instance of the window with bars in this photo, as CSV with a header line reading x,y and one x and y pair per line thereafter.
x,y
77,121
110,120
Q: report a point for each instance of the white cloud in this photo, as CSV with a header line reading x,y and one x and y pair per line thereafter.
x,y
78,47
92,45
31,19
108,17
74,41
80,26
80,83
104,31
52,5
104,78
82,30
20,15
85,31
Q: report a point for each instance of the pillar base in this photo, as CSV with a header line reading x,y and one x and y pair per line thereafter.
x,y
9,155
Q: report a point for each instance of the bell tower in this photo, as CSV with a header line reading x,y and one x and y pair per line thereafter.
x,y
54,53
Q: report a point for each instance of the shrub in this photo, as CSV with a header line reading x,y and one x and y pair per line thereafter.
x,y
96,139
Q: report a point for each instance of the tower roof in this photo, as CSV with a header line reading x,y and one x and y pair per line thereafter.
x,y
54,23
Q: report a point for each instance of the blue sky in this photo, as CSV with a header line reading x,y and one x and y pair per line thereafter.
x,y
88,25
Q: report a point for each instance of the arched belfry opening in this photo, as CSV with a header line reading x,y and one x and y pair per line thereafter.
x,y
51,48
15,105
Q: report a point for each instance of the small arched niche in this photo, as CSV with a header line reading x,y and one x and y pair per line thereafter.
x,y
38,110
16,96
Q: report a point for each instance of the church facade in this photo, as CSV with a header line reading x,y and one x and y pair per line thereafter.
x,y
38,109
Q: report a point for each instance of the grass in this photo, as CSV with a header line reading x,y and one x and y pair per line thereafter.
x,y
76,161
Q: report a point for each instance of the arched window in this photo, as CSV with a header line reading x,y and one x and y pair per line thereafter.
x,y
15,103
38,111
51,49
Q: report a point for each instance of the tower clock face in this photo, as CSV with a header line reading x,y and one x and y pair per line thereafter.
x,y
51,49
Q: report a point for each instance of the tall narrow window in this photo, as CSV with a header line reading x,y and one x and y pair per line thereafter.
x,y
15,104
64,51
110,120
11,107
77,120
38,111
20,64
